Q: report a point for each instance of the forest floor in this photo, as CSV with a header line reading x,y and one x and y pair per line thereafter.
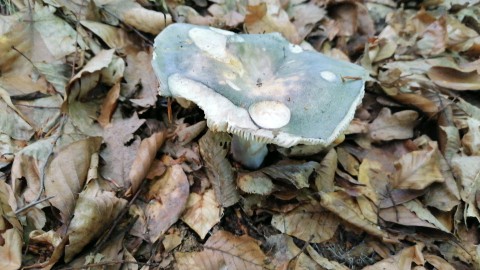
x,y
98,171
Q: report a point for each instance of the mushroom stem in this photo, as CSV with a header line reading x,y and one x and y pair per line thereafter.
x,y
249,153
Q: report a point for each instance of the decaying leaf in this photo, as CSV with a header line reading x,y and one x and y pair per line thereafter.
x,y
224,251
387,127
418,169
343,206
309,222
294,174
214,148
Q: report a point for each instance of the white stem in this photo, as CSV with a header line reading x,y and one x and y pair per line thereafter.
x,y
250,153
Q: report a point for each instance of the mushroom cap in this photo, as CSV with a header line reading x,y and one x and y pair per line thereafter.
x,y
258,86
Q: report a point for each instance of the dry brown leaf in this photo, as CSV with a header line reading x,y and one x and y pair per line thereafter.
x,y
296,174
270,17
186,133
342,205
173,238
418,169
402,260
186,14
324,262
433,39
167,199
449,141
139,74
143,160
324,179
471,140
423,213
224,250
67,173
374,177
282,249
95,211
349,163
202,212
438,262
53,240
402,215
133,14
121,148
10,232
12,121
87,78
27,164
305,16
214,149
399,126
255,183
115,38
230,12
43,114
455,79
422,103
309,222
109,105
467,173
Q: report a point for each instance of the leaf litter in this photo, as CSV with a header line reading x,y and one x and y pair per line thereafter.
x,y
98,170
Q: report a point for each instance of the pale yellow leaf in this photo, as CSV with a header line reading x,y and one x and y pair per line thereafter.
x,y
202,212
168,198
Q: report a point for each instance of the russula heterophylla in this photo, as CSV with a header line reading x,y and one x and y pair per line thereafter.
x,y
259,87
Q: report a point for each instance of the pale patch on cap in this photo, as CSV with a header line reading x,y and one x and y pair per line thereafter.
x,y
210,42
270,114
329,76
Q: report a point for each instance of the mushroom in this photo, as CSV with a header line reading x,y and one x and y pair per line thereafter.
x,y
258,87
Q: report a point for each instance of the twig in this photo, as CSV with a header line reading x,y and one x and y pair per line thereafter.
x,y
18,211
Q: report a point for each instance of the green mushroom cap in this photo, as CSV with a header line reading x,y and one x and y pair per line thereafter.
x,y
258,87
